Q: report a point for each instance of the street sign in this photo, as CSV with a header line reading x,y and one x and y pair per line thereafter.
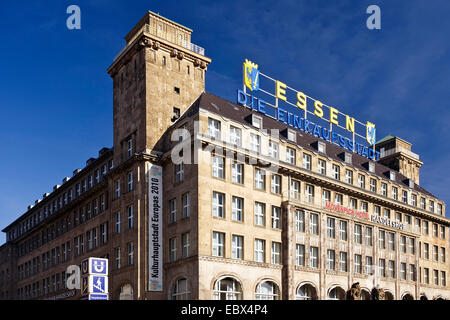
x,y
94,284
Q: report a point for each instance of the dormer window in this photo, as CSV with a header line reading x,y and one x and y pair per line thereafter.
x,y
291,135
371,167
348,158
257,121
392,175
321,147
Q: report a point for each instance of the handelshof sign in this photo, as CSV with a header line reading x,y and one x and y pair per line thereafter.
x,y
364,215
94,279
155,207
291,107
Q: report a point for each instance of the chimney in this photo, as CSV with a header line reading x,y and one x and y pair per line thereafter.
x,y
396,154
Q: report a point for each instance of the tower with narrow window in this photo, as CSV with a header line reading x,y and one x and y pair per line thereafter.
x,y
156,77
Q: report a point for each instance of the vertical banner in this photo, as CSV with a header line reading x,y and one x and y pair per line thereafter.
x,y
155,226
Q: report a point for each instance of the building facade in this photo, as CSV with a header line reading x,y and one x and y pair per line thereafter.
x,y
246,214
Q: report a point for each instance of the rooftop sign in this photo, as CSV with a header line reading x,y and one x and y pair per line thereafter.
x,y
296,109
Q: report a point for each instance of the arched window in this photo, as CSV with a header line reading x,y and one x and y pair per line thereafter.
x,y
306,292
388,296
180,290
337,293
365,295
267,290
227,289
407,296
126,292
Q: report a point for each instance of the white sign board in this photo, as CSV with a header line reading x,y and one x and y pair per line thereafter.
x,y
155,219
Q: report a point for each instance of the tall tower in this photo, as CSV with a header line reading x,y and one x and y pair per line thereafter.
x,y
156,76
396,154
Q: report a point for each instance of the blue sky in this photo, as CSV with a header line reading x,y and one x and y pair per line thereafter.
x,y
56,97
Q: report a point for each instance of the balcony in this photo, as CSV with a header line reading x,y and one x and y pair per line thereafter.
x,y
388,152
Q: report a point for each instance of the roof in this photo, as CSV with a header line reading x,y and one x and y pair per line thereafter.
x,y
388,137
239,113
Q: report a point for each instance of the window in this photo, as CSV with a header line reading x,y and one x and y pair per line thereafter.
x,y
364,206
373,185
321,147
295,189
314,257
130,181
218,244
237,170
436,277
172,249
104,232
276,253
402,271
422,203
237,206
391,241
384,189
439,209
358,263
218,167
309,192
336,172
179,172
117,193
260,179
414,200
306,161
387,213
259,250
435,230
130,217
404,196
382,239
425,227
300,255
214,129
300,220
130,253
426,275
343,261
342,230
322,167
358,234
173,210
185,243
382,267
235,136
314,223
331,259
353,203
435,253
338,199
273,149
117,255
290,155
331,222
276,215
260,209
443,279
394,193
326,196
257,121
180,290
432,206
186,202
291,135
276,184
255,143
118,222
369,265
426,250
163,61
267,290
442,232
391,269
217,205
237,245
361,181
349,176
403,244
412,249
